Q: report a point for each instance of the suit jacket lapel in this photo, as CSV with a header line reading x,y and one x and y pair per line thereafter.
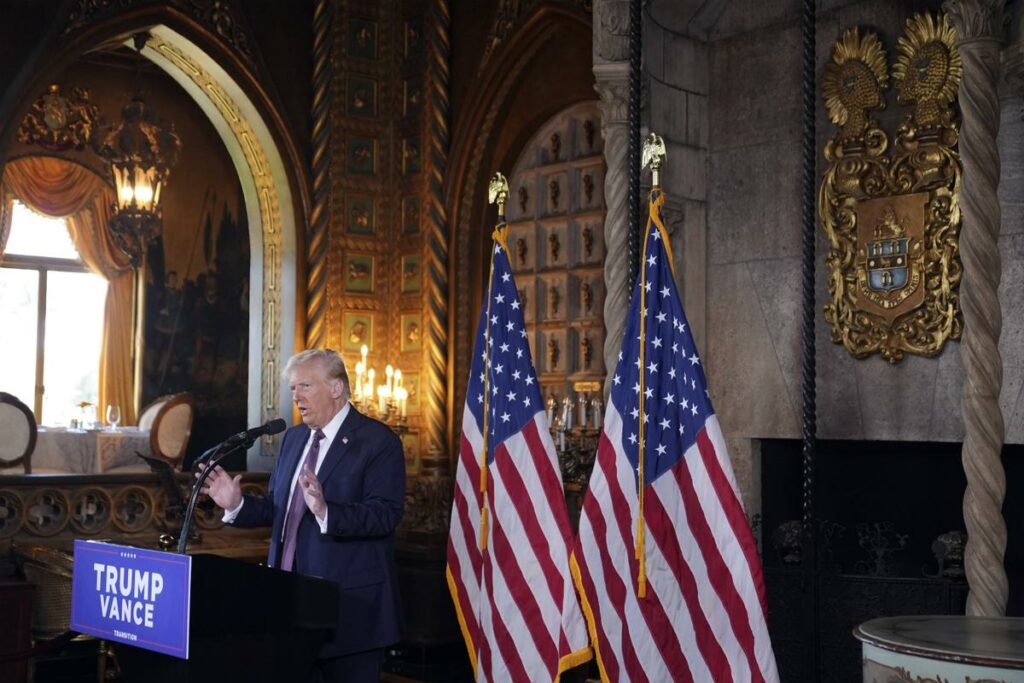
x,y
342,442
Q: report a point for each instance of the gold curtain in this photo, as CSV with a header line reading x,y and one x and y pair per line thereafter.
x,y
60,188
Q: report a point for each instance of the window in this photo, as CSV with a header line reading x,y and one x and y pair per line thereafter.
x,y
51,319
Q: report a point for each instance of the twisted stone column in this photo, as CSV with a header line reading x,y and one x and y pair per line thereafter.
x,y
979,27
434,387
613,87
316,236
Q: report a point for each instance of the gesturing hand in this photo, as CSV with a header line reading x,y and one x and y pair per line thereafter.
x,y
225,490
312,493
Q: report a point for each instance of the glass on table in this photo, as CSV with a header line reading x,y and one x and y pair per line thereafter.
x,y
113,416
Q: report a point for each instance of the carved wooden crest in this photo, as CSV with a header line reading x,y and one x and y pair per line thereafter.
x,y
58,123
892,212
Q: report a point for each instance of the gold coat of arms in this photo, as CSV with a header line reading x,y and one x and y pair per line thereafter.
x,y
891,211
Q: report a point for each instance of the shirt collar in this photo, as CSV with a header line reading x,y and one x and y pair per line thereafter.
x,y
330,429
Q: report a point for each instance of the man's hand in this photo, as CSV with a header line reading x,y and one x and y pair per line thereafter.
x,y
225,490
312,493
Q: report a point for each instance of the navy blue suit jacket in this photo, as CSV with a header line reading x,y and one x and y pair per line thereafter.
x,y
363,480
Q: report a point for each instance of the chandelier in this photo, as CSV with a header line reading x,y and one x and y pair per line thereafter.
x,y
140,153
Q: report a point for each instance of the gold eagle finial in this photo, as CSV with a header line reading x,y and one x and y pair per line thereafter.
x,y
653,153
497,192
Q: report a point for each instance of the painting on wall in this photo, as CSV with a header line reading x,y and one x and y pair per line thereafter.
x,y
362,155
410,156
359,273
362,97
358,330
413,37
412,331
362,38
410,215
361,218
412,96
412,274
411,449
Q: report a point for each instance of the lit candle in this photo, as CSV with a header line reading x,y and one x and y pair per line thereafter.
x,y
567,412
582,404
363,351
401,395
368,389
390,373
383,393
597,413
549,406
398,378
360,369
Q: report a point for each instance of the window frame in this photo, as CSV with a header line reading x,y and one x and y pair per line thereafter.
x,y
43,265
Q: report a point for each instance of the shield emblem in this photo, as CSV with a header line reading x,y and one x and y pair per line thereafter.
x,y
887,264
890,254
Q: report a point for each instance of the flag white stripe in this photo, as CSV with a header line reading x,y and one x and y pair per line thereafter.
x,y
670,497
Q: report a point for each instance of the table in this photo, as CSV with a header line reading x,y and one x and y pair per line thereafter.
x,y
88,451
953,648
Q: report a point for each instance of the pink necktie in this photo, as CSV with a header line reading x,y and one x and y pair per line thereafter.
x,y
297,506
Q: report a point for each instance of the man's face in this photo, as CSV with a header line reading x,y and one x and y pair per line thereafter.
x,y
317,397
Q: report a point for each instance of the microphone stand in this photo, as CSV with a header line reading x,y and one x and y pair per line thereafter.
x,y
215,455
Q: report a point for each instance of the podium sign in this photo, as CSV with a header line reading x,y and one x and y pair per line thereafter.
x,y
132,595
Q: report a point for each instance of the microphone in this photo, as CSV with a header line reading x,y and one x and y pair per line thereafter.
x,y
250,435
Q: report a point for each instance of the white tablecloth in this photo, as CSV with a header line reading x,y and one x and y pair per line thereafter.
x,y
88,451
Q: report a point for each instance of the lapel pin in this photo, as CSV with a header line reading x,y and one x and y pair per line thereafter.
x,y
344,439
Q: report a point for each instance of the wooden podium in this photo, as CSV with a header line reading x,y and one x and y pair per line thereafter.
x,y
244,622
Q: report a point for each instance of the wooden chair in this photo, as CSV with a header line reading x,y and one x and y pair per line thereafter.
x,y
148,414
172,427
18,425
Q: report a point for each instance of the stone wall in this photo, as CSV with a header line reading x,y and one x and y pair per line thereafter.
x,y
750,265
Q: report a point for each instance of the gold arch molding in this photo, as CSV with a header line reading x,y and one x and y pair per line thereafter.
x,y
266,192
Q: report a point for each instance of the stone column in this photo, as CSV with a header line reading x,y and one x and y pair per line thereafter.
x,y
611,75
979,27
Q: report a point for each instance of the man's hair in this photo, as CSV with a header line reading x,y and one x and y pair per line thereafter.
x,y
329,359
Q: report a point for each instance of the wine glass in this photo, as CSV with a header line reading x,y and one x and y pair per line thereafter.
x,y
113,416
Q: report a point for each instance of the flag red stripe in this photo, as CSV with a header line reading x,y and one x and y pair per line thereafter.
x,y
465,605
506,644
665,535
522,503
733,512
503,639
612,587
471,462
551,480
525,600
718,573
620,509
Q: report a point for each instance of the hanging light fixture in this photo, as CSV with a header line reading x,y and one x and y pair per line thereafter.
x,y
140,153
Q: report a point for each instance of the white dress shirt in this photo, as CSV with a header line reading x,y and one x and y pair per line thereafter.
x,y
330,431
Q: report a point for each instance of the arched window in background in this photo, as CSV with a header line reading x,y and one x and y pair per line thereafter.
x,y
51,319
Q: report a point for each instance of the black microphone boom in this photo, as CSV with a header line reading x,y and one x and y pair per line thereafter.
x,y
238,442
250,435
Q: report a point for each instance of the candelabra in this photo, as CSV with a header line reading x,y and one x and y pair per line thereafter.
x,y
388,400
575,431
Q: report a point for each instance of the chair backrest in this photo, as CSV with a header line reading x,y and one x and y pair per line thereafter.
x,y
148,414
172,427
18,426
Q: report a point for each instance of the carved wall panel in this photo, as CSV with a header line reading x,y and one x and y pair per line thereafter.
x,y
556,216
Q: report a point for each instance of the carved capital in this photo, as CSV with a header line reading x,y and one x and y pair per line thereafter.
x,y
611,30
612,85
976,19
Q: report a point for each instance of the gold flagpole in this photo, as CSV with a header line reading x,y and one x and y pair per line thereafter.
x,y
653,154
497,192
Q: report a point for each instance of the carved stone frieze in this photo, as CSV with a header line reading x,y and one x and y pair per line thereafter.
x,y
611,30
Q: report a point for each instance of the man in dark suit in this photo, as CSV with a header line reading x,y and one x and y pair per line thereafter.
x,y
335,498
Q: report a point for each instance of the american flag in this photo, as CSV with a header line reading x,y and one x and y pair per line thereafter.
x,y
508,547
679,597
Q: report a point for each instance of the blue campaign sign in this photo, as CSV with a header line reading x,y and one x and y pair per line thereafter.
x,y
132,595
